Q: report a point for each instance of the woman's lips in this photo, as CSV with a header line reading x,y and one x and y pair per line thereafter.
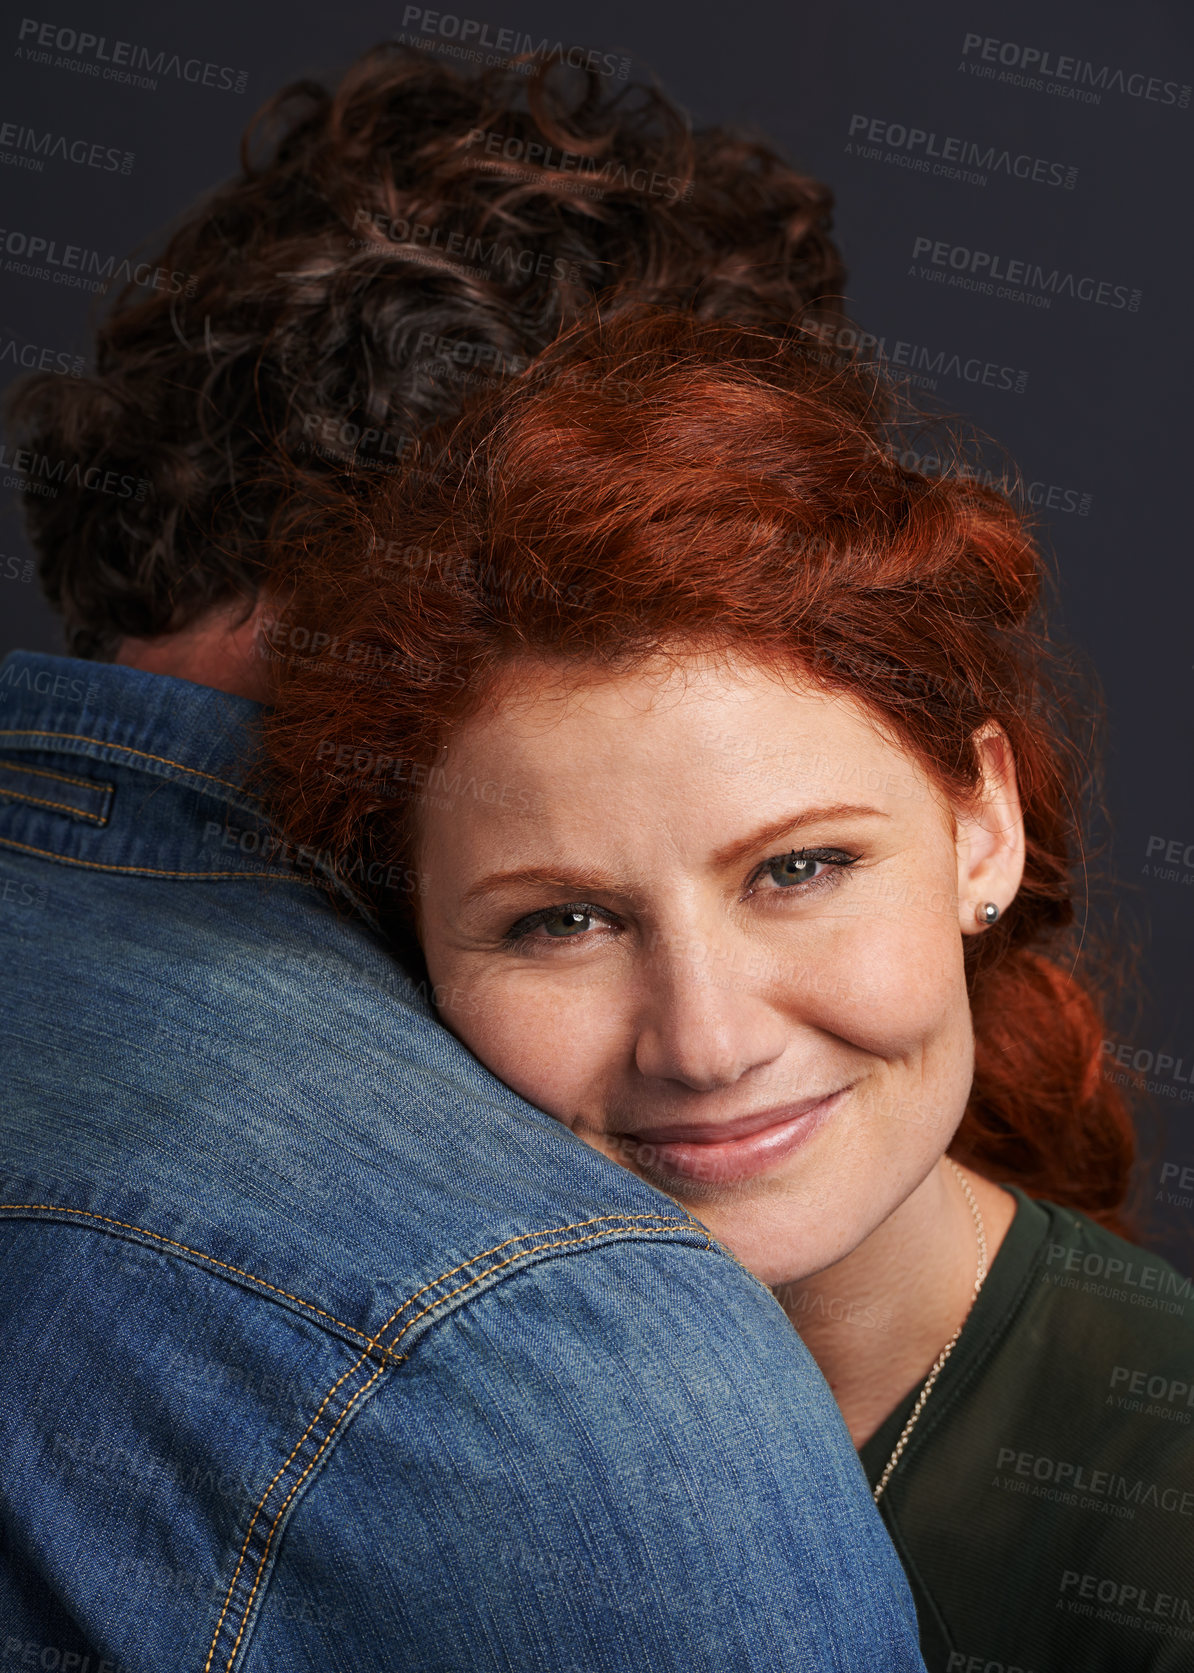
x,y
720,1152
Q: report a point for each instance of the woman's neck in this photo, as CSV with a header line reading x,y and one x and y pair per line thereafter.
x,y
875,1321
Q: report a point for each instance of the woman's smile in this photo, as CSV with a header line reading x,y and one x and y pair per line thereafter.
x,y
722,1152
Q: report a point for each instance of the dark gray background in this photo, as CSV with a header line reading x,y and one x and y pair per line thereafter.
x,y
1103,418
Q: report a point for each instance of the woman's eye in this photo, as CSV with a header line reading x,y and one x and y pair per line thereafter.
x,y
561,923
786,871
573,921
794,868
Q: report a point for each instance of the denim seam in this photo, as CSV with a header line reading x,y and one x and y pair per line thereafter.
x,y
669,1221
173,1243
154,871
144,754
57,807
355,1366
63,778
626,1224
565,1243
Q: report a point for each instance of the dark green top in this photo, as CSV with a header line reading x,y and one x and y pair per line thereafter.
x,y
1044,1505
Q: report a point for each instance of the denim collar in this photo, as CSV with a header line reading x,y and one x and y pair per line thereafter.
x,y
152,723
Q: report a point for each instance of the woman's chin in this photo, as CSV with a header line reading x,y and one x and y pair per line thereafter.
x,y
780,1237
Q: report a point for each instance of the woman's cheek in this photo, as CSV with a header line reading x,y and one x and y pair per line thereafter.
x,y
551,1043
886,984
910,1012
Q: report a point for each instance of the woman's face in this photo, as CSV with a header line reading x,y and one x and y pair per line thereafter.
x,y
712,922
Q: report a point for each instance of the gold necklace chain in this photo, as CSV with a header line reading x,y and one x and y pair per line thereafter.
x,y
939,1362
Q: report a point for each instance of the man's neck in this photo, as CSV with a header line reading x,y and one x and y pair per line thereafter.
x,y
876,1321
219,650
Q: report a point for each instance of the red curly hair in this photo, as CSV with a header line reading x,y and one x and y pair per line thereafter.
x,y
658,482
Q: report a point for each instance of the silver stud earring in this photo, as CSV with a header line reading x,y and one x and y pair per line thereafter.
x,y
987,914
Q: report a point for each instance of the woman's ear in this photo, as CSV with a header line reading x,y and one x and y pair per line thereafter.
x,y
990,835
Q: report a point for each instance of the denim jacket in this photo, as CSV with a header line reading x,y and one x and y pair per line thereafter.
x,y
320,1349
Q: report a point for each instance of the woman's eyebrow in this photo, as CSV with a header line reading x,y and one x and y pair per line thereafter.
x,y
539,877
790,823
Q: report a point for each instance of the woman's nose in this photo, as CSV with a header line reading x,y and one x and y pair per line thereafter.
x,y
705,1030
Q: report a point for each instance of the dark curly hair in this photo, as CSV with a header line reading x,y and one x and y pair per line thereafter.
x,y
387,246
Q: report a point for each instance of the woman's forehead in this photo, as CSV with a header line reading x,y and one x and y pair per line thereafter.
x,y
707,738
661,680
703,701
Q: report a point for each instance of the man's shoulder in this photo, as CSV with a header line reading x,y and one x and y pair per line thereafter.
x,y
238,1075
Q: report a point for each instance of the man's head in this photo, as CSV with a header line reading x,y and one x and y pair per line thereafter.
x,y
387,247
